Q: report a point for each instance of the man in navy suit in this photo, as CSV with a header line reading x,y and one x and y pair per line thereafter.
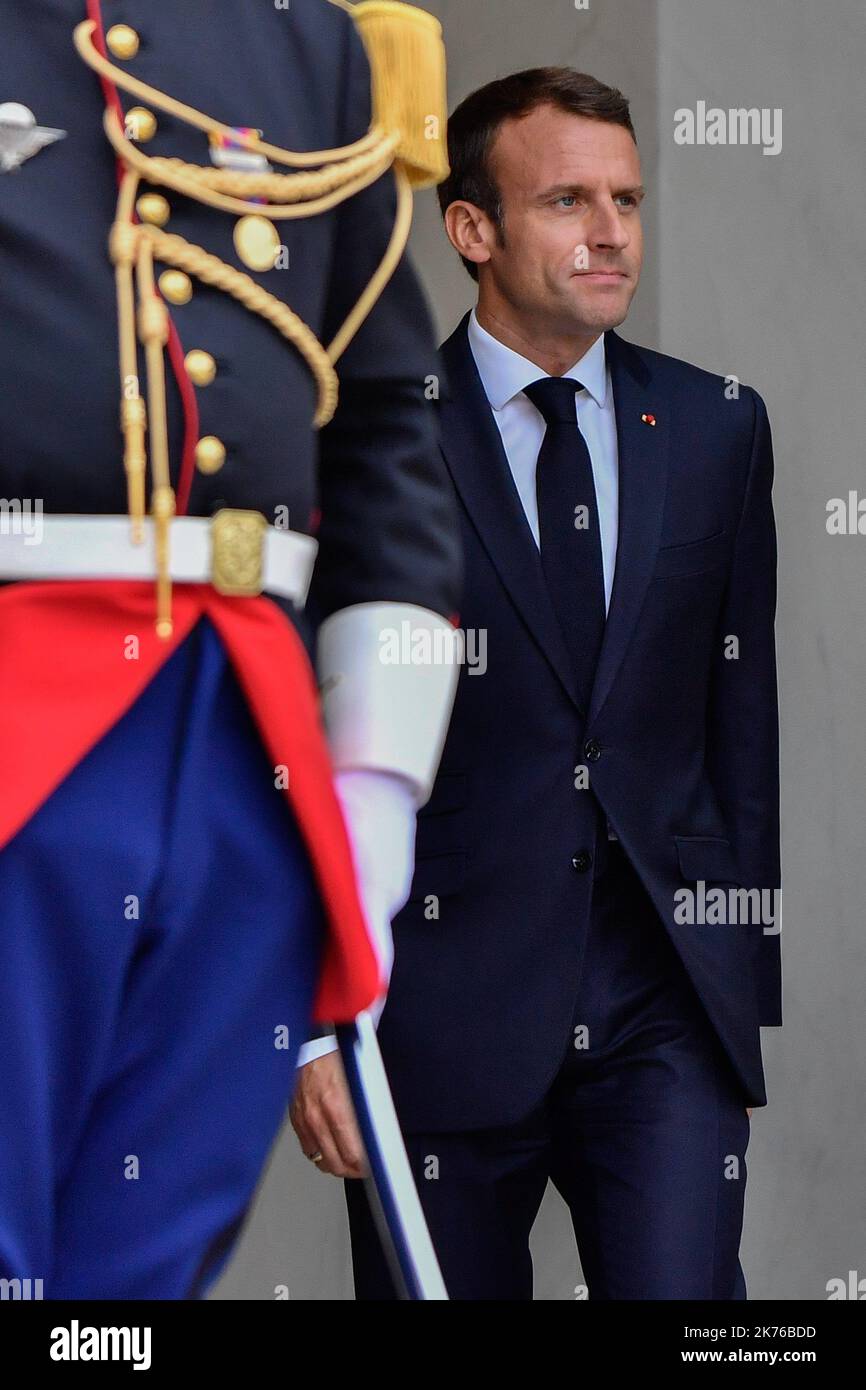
x,y
584,964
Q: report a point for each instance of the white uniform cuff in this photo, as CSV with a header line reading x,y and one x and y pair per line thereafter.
x,y
316,1047
388,673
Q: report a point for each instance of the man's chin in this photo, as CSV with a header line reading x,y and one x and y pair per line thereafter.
x,y
597,318
606,309
572,311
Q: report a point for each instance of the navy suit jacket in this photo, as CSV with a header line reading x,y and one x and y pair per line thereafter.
x,y
680,740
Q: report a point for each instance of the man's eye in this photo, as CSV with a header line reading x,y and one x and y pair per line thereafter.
x,y
569,199
628,198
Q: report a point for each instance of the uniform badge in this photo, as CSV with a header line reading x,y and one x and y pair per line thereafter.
x,y
20,136
231,154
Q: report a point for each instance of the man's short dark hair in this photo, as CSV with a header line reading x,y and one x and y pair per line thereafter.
x,y
474,125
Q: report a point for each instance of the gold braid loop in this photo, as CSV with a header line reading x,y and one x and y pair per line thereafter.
x,y
185,255
313,193
276,188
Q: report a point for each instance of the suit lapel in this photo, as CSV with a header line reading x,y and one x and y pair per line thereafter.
x,y
643,462
476,459
475,456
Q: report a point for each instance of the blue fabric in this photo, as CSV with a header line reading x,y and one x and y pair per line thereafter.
x,y
154,1036
643,1131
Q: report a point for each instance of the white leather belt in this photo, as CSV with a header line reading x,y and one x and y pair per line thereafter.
x,y
236,551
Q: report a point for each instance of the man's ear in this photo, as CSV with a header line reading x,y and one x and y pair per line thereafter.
x,y
470,231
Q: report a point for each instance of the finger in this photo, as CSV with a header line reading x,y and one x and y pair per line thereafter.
x,y
302,1130
314,1139
330,1162
351,1152
344,1133
321,1140
342,1136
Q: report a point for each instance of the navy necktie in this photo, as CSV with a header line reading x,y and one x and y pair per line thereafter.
x,y
569,528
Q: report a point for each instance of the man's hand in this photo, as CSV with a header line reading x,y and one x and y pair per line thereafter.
x,y
324,1120
748,1112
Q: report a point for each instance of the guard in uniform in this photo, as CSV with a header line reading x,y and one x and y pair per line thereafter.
x,y
214,360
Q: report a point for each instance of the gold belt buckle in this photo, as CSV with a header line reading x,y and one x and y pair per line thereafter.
x,y
237,552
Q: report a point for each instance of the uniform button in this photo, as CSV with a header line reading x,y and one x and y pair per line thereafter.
x,y
256,242
122,41
210,454
153,208
175,286
140,124
592,750
582,861
201,367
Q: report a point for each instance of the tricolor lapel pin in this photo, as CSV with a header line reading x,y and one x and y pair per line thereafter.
x,y
648,419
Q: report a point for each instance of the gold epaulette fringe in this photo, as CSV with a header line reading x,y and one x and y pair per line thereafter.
x,y
407,60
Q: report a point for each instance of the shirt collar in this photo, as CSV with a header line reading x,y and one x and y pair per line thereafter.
x,y
504,373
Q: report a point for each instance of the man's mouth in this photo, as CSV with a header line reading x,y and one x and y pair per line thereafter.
x,y
602,276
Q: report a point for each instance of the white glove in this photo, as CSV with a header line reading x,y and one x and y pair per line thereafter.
x,y
386,723
379,811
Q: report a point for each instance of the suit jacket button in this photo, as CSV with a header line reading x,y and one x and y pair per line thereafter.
x,y
582,861
592,750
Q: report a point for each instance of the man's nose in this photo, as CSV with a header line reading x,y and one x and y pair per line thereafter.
x,y
609,229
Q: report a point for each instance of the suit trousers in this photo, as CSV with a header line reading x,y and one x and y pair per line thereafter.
x,y
643,1131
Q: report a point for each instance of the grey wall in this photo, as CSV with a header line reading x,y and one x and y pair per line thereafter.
x,y
756,268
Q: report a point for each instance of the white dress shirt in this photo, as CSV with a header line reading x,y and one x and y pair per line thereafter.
x,y
504,374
